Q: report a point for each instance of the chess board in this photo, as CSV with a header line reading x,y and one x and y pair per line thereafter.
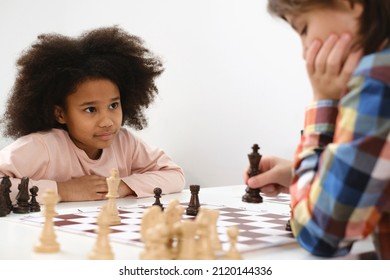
x,y
257,229
280,199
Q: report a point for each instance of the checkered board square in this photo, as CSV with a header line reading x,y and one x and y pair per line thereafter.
x,y
280,199
257,229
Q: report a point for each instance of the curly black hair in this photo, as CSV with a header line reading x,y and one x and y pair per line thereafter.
x,y
55,65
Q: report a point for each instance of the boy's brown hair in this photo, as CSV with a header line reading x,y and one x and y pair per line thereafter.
x,y
375,20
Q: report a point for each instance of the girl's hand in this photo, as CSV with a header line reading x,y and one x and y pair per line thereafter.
x,y
88,187
274,178
124,190
330,66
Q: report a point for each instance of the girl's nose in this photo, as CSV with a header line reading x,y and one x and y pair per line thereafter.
x,y
105,121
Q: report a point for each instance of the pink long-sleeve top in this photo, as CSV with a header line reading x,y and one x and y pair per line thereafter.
x,y
51,157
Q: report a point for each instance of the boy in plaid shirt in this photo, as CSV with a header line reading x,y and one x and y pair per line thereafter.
x,y
340,179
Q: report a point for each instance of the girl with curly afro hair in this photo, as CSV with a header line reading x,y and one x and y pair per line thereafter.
x,y
67,111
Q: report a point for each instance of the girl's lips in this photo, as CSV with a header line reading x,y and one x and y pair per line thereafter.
x,y
105,136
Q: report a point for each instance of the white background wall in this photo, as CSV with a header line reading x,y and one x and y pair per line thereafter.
x,y
234,75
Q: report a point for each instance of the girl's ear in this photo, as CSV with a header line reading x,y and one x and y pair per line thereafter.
x,y
59,114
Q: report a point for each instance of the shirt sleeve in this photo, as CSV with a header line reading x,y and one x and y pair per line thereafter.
x,y
341,169
26,157
151,167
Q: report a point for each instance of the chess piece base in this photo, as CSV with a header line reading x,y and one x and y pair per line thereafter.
x,y
101,256
47,248
192,211
252,196
21,209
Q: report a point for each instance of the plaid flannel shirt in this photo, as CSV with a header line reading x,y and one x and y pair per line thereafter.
x,y
341,182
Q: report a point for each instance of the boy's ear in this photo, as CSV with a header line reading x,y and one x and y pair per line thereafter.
x,y
59,114
354,7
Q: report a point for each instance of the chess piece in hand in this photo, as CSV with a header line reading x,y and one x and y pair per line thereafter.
x,y
253,195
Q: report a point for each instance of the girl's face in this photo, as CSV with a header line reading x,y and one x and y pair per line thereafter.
x,y
92,115
319,23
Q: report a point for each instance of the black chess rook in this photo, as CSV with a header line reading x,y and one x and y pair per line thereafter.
x,y
193,206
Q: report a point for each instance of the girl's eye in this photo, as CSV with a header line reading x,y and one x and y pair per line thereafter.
x,y
303,31
90,109
114,105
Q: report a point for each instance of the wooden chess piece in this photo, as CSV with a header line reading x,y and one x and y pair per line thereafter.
x,y
6,183
187,247
157,195
22,206
150,217
47,241
156,243
34,205
193,206
113,183
253,195
4,211
213,232
204,250
288,226
233,253
102,249
173,215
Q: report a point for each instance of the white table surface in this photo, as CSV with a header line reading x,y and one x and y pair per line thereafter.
x,y
18,239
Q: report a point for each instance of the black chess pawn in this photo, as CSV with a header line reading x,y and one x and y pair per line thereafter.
x,y
253,195
193,206
157,196
22,198
34,205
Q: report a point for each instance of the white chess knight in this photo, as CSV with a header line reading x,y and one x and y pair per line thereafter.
x,y
113,183
47,241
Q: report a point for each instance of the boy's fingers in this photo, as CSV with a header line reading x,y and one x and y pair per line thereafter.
x,y
262,179
322,59
338,53
351,64
311,55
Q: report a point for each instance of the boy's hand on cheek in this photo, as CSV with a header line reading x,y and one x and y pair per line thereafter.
x,y
330,66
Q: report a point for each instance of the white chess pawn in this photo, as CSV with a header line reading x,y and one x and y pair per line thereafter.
x,y
233,253
113,183
102,249
213,232
48,242
205,250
